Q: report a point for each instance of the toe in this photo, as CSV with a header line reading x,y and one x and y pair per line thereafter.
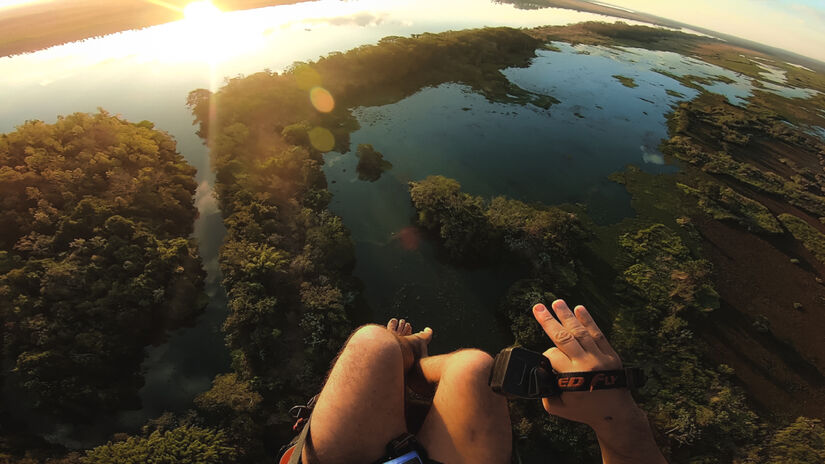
x,y
426,334
393,325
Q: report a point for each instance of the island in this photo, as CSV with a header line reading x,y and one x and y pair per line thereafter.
x,y
96,263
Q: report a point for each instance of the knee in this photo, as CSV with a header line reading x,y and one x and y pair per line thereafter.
x,y
374,342
472,366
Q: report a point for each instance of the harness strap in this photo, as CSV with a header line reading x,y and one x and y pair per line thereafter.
x,y
298,448
302,415
599,380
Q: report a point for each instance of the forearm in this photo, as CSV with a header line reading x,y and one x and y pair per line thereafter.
x,y
626,438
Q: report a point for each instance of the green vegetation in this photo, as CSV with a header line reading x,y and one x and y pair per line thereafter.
x,y
95,259
371,164
543,241
474,230
717,137
661,288
723,203
626,81
622,34
802,442
182,445
810,237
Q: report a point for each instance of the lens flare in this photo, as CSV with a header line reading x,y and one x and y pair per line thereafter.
x,y
321,139
321,99
306,77
410,238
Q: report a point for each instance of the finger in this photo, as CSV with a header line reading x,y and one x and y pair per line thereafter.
x,y
564,340
572,324
407,329
393,325
558,360
587,321
401,323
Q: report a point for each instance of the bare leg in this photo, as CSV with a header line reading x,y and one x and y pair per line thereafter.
x,y
468,423
361,407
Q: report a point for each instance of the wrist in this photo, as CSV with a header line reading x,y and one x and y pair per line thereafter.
x,y
619,422
625,433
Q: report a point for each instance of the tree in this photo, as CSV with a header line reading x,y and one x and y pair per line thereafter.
x,y
371,164
801,442
96,258
182,445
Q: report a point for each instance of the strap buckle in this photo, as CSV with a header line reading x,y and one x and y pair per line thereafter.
x,y
401,445
301,413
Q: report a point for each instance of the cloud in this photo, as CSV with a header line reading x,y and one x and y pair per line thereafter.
x,y
650,157
809,13
205,200
361,19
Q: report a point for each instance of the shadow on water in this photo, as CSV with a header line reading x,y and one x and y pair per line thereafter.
x,y
175,371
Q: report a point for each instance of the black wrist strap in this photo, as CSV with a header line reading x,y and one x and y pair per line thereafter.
x,y
630,377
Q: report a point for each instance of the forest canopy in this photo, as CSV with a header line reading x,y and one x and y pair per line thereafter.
x,y
95,258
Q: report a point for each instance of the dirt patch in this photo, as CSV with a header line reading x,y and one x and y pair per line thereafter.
x,y
776,349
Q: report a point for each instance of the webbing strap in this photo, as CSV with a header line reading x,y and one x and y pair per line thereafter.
x,y
299,444
599,380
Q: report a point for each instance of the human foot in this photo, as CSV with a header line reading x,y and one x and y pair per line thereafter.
x,y
413,345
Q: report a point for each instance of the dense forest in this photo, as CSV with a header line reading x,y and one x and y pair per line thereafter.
x,y
96,260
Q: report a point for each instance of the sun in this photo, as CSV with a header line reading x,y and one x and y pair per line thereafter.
x,y
202,10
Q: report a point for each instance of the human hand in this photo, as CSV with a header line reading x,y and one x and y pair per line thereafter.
x,y
582,347
621,427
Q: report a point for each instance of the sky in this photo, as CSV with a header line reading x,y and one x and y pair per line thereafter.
x,y
794,25
11,3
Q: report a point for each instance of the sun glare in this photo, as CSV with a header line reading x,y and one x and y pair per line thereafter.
x,y
202,10
16,3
